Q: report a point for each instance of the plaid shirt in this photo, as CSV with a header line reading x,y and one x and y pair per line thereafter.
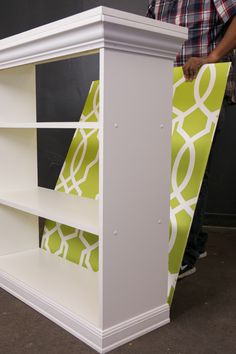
x,y
207,22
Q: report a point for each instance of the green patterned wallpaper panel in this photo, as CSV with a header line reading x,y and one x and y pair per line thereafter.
x,y
79,176
196,107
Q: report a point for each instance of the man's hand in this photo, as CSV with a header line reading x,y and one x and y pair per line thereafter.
x,y
226,45
192,67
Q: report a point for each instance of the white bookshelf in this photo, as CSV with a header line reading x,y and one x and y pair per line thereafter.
x,y
128,296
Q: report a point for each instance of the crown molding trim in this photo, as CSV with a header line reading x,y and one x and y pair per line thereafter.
x,y
87,33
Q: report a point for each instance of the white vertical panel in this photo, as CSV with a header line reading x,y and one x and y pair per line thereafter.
x,y
136,94
17,94
18,150
18,231
18,171
18,156
18,159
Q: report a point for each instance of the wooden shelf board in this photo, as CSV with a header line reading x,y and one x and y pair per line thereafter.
x,y
54,279
81,213
50,125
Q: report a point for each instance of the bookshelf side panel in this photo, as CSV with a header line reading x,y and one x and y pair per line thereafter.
x,y
135,144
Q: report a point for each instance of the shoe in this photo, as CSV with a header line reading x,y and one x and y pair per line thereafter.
x,y
203,255
186,270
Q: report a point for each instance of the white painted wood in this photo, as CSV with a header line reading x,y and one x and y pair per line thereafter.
x,y
18,159
135,161
81,213
71,322
17,94
127,298
18,231
69,296
18,152
135,327
52,277
89,32
50,125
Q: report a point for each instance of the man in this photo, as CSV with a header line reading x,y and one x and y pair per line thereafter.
x,y
212,38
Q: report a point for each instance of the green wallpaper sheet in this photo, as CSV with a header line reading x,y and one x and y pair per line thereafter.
x,y
196,107
79,176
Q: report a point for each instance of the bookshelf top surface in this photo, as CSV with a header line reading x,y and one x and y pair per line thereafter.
x,y
98,14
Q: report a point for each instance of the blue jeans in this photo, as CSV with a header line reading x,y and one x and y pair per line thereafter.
x,y
197,237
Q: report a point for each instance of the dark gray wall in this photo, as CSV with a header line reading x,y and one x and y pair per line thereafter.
x,y
20,15
62,88
221,208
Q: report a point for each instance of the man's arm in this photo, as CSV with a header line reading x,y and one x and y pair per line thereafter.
x,y
226,45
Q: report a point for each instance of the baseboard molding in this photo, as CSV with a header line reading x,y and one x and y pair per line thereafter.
x,y
64,318
222,220
135,327
101,340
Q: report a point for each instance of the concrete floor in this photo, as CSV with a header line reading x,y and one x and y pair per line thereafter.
x,y
203,314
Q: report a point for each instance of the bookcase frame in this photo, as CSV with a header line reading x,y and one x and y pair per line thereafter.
x,y
127,297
